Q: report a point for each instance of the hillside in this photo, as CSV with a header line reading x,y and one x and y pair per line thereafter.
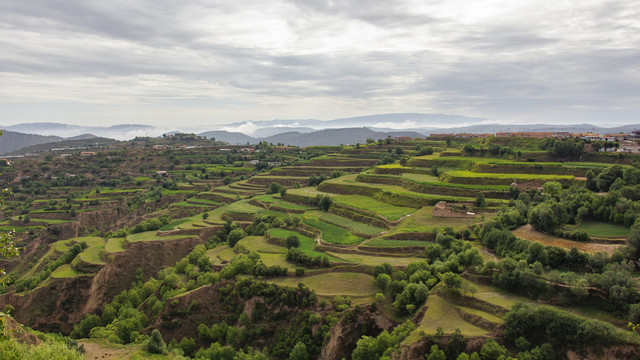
x,y
409,248
12,141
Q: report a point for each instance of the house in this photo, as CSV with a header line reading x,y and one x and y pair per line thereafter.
x,y
592,137
533,135
443,135
159,147
64,155
254,162
87,153
403,138
453,210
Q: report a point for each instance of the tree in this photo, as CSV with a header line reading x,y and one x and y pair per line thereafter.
x,y
156,344
480,200
436,354
299,352
234,236
453,282
552,188
383,281
325,203
293,241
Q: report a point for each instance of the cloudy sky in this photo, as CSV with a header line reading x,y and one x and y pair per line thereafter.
x,y
200,62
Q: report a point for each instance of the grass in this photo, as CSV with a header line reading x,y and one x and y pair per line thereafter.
x,y
174,224
527,232
214,253
423,221
65,271
350,224
421,177
383,209
332,284
600,229
152,236
260,244
471,174
114,245
441,313
395,243
243,207
333,234
91,254
307,244
376,260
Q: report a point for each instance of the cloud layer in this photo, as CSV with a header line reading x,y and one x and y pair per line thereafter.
x,y
207,62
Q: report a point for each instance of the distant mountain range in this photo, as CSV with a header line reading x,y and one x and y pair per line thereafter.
x,y
300,132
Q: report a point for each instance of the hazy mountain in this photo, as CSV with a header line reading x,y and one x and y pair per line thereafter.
x,y
335,136
120,132
393,122
67,144
233,138
11,140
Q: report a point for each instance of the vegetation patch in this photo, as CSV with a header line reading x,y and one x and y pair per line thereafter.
x,y
527,232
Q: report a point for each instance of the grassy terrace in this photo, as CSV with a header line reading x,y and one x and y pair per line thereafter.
x,y
470,174
332,284
383,209
331,233
423,221
151,236
350,224
114,245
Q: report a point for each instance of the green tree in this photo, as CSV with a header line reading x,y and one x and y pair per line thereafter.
x,y
234,236
436,354
293,241
480,200
156,344
383,281
299,352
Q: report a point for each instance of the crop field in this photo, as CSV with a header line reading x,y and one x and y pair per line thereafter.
x,y
331,284
363,202
350,224
332,233
600,229
527,232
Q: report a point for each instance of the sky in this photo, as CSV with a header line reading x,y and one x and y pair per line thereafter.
x,y
198,63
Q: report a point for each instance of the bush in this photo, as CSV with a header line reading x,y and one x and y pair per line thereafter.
x,y
293,241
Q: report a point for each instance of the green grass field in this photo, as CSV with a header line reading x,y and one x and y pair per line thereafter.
x,y
471,174
600,229
333,234
527,232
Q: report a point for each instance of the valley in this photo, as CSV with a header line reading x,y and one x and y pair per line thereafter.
x,y
396,248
